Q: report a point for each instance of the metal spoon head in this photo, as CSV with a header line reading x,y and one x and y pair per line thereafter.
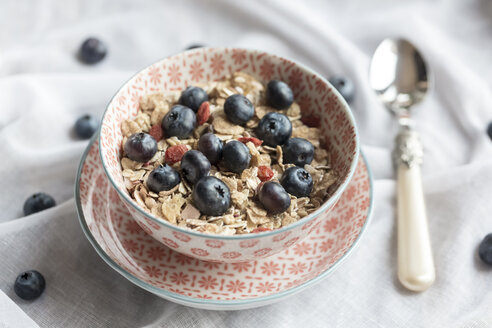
x,y
398,74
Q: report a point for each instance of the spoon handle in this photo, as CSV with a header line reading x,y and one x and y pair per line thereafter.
x,y
415,263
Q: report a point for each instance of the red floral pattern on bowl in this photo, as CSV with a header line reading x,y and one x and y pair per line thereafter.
x,y
126,247
319,100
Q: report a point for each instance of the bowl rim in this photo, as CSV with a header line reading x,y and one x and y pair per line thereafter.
x,y
198,301
331,201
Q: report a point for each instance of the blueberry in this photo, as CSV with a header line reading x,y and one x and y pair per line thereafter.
x,y
274,129
179,122
194,46
344,85
298,151
485,249
37,203
194,165
92,51
297,181
235,156
279,95
29,285
489,130
162,178
211,146
85,126
140,147
238,109
274,198
192,97
211,196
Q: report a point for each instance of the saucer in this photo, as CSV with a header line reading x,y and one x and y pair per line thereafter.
x,y
128,249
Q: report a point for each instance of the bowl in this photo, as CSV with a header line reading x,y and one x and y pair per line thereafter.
x,y
318,100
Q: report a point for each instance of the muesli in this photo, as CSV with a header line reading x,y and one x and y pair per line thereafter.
x,y
237,131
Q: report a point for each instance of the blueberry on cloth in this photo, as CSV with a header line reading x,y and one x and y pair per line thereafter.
x,y
92,51
344,85
489,130
485,249
194,46
38,202
29,285
85,126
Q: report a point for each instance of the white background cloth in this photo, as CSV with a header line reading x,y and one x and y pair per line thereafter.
x,y
43,89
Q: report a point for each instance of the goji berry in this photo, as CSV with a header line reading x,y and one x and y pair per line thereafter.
x,y
257,142
264,173
156,132
175,153
203,113
313,121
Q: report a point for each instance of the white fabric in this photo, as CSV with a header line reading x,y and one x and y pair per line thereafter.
x,y
43,89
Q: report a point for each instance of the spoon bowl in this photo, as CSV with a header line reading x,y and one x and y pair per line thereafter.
x,y
398,74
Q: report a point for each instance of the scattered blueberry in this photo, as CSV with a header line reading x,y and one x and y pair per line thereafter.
x,y
238,109
279,95
179,122
344,85
163,178
194,46
85,126
140,147
37,203
485,249
274,129
297,181
211,196
92,51
235,156
211,146
298,151
489,130
194,165
192,97
29,285
274,198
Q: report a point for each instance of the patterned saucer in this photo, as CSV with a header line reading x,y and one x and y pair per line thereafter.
x,y
122,243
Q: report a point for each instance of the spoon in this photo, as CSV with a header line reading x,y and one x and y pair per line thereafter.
x,y
398,75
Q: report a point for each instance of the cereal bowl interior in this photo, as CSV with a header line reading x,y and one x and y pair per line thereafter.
x,y
319,104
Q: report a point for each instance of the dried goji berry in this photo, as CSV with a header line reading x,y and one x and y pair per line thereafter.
x,y
175,153
203,113
156,132
265,173
260,229
313,121
257,142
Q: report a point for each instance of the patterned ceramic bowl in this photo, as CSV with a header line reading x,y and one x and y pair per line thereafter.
x,y
314,94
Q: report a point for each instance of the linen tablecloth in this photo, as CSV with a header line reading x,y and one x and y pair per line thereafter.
x,y
43,90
